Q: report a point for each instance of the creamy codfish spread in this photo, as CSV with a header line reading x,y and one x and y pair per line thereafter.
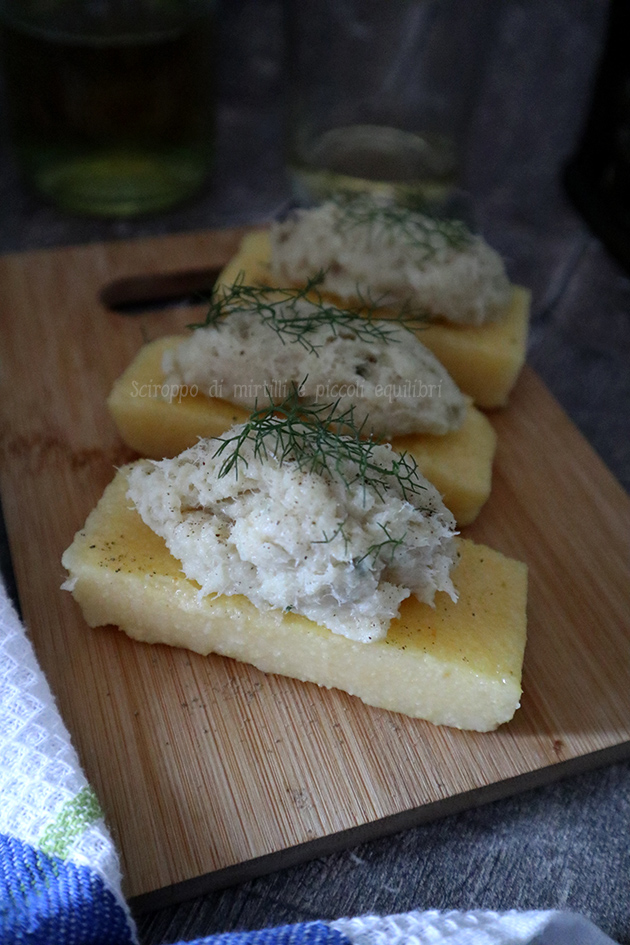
x,y
366,247
394,383
343,544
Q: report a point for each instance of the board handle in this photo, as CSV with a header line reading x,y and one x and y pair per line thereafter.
x,y
135,295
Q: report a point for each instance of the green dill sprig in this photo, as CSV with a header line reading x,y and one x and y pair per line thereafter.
x,y
296,314
319,440
422,231
339,530
389,543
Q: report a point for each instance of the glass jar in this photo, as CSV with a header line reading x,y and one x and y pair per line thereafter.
x,y
380,94
111,102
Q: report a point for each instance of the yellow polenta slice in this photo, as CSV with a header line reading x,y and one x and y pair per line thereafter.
x,y
483,360
455,664
159,421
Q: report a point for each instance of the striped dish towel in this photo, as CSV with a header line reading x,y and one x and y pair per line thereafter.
x,y
59,870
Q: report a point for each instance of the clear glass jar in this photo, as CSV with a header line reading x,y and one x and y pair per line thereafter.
x,y
380,94
111,102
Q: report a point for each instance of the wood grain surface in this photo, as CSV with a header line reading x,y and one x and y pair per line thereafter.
x,y
208,770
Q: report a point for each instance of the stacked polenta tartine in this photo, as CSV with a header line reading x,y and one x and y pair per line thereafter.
x,y
309,458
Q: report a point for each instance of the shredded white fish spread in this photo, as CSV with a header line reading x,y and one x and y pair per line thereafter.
x,y
367,248
336,545
395,384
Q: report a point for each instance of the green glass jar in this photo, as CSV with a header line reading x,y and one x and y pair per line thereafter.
x,y
111,102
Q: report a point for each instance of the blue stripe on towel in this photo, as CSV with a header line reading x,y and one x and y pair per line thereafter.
x,y
48,901
304,933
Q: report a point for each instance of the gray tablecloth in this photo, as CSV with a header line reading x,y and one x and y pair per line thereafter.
x,y
564,846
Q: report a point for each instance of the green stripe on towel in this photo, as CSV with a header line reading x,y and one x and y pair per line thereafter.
x,y
73,818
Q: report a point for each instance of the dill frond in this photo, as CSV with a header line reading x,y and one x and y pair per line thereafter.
x,y
425,232
390,544
327,539
297,314
320,440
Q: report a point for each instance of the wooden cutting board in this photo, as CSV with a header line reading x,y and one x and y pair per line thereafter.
x,y
209,771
